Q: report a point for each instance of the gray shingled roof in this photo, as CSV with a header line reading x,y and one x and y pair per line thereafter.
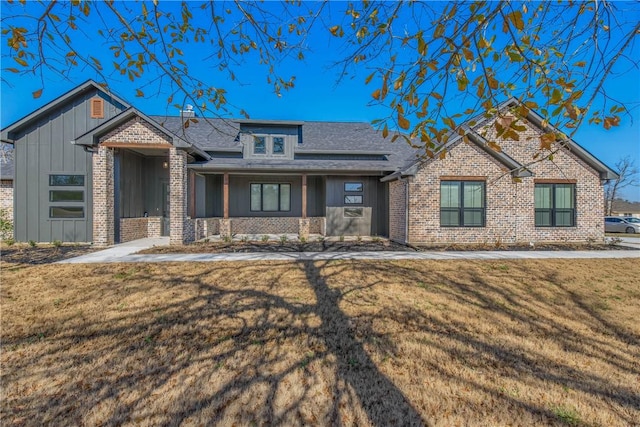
x,y
208,134
211,134
335,166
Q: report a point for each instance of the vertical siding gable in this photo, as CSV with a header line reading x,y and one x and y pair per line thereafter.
x,y
43,148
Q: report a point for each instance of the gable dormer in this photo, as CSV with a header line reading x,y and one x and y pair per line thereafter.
x,y
269,141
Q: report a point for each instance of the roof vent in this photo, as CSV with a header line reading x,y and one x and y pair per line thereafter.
x,y
188,111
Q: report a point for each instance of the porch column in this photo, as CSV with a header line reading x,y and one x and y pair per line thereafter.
x,y
304,196
303,226
177,195
225,222
225,197
103,201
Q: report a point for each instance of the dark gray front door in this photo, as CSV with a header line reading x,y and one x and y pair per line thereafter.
x,y
166,208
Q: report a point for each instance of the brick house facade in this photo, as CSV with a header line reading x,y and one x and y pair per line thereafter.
x,y
148,176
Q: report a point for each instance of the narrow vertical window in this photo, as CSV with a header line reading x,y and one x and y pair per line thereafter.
x,y
259,145
278,145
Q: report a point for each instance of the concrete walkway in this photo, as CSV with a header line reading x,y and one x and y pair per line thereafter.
x,y
632,242
126,253
117,252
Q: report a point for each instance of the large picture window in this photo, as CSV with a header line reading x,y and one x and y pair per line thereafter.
x,y
462,203
270,197
555,205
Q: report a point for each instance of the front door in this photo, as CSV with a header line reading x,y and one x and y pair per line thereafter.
x,y
166,208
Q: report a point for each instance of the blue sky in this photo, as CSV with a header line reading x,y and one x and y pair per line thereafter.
x,y
316,96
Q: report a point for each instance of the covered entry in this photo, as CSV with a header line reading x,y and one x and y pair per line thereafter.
x,y
139,179
141,193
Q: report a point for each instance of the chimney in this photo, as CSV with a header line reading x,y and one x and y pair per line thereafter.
x,y
187,112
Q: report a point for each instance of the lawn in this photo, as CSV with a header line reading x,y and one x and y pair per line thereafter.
x,y
441,343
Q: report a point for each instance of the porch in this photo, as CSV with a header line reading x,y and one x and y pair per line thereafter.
x,y
229,204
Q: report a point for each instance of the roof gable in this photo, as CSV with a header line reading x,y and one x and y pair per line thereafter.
x,y
8,132
93,136
518,170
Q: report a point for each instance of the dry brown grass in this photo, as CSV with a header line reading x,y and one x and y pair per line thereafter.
x,y
324,343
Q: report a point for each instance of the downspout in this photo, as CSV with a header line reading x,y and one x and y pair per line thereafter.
x,y
406,209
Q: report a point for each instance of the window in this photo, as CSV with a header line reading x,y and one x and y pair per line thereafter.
x,y
66,180
66,212
555,205
352,186
462,203
66,196
353,212
259,145
270,197
97,108
353,200
278,145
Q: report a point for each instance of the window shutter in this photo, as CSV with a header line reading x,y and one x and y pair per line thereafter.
x,y
97,108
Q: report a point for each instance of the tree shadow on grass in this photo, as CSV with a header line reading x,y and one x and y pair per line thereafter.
x,y
384,403
229,343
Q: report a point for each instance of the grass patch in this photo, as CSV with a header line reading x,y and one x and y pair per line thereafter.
x,y
322,343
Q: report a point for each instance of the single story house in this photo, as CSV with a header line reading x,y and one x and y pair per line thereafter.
x,y
90,167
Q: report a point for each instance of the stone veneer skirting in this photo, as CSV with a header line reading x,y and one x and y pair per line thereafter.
x,y
139,228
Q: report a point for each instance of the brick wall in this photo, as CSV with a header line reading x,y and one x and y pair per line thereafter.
x,y
317,225
265,225
509,205
136,131
133,229
397,201
103,215
154,226
178,197
6,201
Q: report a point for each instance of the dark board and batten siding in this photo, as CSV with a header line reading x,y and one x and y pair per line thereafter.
x,y
240,195
374,221
45,148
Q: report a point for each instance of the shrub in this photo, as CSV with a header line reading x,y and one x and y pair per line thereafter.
x,y
264,238
32,243
283,239
56,243
341,238
6,225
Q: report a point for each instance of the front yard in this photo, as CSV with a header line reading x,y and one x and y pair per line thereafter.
x,y
322,343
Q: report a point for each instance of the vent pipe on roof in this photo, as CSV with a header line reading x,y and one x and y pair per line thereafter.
x,y
187,112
